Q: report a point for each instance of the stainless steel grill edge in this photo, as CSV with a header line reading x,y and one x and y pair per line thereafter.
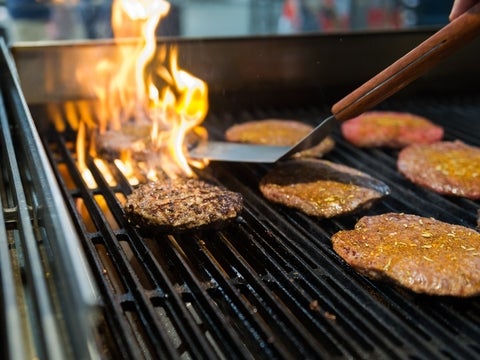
x,y
49,298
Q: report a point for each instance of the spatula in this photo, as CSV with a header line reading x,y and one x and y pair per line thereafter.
x,y
402,72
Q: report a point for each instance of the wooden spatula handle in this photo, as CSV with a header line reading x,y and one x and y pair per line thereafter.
x,y
411,66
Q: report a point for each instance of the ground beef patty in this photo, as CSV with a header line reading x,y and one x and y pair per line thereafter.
x,y
278,132
132,137
422,254
446,167
321,188
181,205
390,129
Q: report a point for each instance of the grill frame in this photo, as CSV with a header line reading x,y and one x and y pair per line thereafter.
x,y
217,291
43,268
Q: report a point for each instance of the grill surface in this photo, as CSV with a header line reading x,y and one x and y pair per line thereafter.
x,y
269,285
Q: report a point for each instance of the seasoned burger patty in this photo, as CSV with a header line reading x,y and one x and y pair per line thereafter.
x,y
422,254
181,205
278,132
321,188
446,167
390,129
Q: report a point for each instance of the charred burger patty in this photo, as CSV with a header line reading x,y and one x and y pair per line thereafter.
x,y
181,205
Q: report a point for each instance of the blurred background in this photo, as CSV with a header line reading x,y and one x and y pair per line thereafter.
x,y
37,20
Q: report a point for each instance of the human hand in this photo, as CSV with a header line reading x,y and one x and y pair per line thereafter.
x,y
460,6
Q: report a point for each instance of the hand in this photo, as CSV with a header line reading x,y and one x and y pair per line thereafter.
x,y
460,6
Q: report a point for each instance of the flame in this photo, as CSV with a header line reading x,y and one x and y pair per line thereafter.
x,y
179,108
146,88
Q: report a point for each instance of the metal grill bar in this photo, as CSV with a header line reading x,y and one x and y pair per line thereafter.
x,y
49,347
11,315
270,285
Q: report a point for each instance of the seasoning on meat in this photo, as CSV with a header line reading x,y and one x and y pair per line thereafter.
x,y
180,205
446,167
278,132
390,129
422,254
321,188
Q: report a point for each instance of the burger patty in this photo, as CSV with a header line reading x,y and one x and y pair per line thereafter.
x,y
321,188
422,254
132,137
278,132
446,167
390,129
180,205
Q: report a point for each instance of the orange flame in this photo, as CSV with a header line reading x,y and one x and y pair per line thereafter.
x,y
180,107
147,88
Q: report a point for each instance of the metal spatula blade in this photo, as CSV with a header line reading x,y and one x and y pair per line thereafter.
x,y
239,152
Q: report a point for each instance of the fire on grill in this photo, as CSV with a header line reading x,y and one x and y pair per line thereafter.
x,y
270,285
145,114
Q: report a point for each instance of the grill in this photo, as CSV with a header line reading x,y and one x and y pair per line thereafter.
x,y
269,285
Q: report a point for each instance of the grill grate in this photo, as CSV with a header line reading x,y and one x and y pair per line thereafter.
x,y
270,285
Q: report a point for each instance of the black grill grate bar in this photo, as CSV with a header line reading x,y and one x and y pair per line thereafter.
x,y
456,319
185,323
261,304
138,301
367,327
108,238
290,305
433,322
215,322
